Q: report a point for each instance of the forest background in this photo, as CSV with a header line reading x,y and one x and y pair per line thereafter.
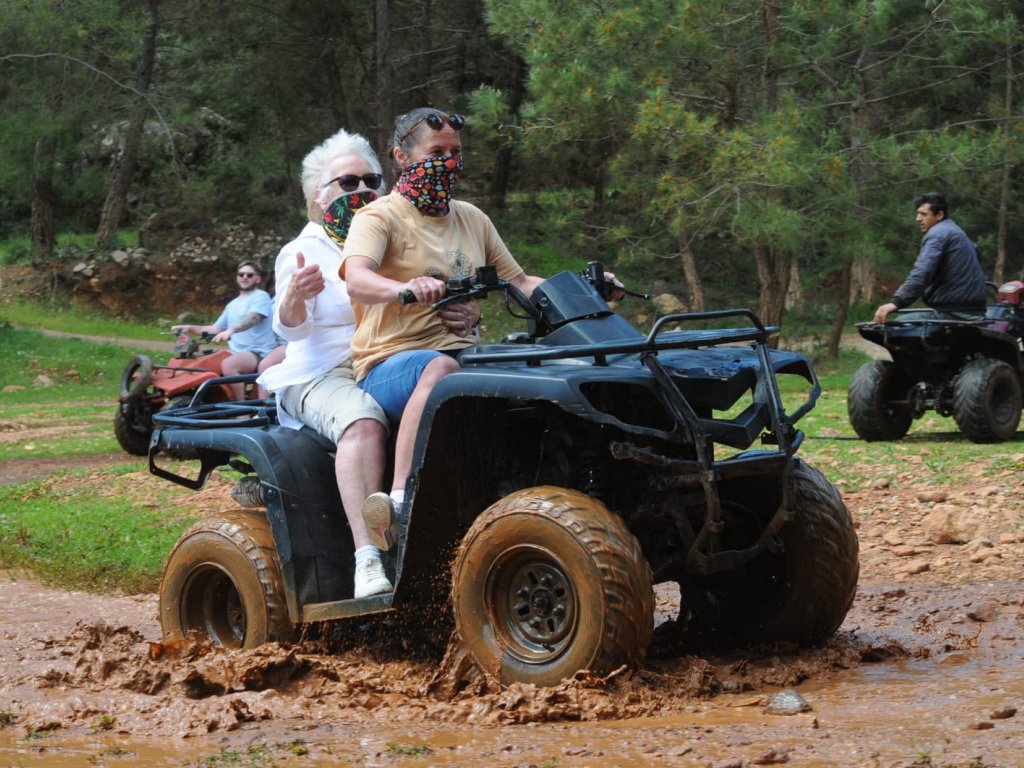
x,y
762,151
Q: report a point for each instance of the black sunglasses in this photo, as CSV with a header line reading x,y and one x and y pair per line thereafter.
x,y
247,274
436,121
350,182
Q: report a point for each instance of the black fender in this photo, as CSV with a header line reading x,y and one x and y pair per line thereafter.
x,y
296,473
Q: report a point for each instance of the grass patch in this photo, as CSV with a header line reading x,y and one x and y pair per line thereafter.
x,y
39,369
70,319
408,750
255,756
93,530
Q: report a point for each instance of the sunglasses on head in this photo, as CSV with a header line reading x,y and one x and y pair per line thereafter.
x,y
247,274
436,121
350,182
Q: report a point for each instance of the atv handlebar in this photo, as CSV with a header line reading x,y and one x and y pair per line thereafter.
x,y
485,281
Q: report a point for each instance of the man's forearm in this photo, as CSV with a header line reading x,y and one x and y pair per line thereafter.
x,y
250,320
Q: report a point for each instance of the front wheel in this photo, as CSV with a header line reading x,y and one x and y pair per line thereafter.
x,y
800,593
222,582
877,401
987,400
547,582
133,427
135,378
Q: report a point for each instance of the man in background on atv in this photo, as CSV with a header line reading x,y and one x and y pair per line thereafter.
x,y
947,273
315,385
244,324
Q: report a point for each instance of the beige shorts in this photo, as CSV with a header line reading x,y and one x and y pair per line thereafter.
x,y
331,403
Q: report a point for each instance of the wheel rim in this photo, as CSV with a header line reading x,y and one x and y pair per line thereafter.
x,y
212,606
534,602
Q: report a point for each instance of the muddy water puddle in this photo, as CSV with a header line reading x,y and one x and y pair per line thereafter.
x,y
936,671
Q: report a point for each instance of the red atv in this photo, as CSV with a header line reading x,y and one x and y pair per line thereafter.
x,y
147,388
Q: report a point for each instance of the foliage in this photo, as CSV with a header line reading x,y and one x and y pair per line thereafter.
x,y
793,130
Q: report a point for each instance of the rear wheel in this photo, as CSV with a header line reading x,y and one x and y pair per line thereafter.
x,y
547,582
222,582
987,400
877,401
800,593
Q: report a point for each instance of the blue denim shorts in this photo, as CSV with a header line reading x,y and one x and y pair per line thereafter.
x,y
391,382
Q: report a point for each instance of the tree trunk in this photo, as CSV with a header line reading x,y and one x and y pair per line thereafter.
x,y
697,300
503,162
862,280
795,293
999,269
770,12
42,238
124,166
842,310
773,271
385,114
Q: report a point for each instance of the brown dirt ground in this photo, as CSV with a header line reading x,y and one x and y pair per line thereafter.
x,y
74,664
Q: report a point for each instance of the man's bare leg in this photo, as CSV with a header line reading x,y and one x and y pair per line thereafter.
x,y
434,371
236,365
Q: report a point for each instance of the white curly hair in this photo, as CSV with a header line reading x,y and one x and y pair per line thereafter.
x,y
317,164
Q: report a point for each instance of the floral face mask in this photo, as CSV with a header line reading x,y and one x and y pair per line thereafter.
x,y
430,184
339,211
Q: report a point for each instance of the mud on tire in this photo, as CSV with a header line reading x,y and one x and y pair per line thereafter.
x,y
547,582
987,400
222,582
870,402
801,594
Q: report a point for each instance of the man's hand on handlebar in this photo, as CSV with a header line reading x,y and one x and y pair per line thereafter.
x,y
427,290
461,318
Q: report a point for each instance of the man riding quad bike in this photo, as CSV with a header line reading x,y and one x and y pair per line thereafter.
x,y
147,388
557,476
968,369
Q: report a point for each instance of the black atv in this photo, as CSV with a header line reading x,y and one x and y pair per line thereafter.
x,y
557,476
968,369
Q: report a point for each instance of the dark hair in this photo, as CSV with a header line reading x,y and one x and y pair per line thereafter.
x,y
935,200
255,266
403,124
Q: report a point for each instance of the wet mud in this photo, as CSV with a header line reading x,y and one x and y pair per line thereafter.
x,y
925,670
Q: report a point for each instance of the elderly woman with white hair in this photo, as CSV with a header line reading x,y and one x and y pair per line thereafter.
x,y
314,385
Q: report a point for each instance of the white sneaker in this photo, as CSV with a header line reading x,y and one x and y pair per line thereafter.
x,y
379,514
370,579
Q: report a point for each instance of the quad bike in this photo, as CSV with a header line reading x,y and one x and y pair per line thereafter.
x,y
147,388
968,369
556,477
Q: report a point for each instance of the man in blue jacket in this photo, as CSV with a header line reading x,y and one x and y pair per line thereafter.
x,y
947,273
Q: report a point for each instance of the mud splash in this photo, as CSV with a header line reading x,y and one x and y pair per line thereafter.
x,y
936,664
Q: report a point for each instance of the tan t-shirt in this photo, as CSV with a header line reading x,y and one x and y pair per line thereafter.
x,y
406,244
